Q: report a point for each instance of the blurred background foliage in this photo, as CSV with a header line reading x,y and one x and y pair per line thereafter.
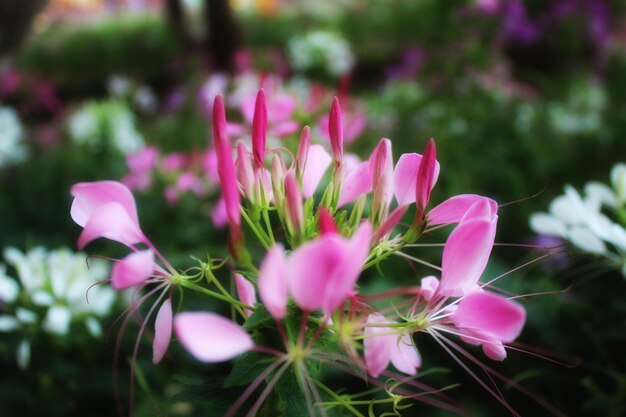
x,y
521,96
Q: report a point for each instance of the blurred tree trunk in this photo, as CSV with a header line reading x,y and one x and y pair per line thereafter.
x,y
16,18
223,34
176,18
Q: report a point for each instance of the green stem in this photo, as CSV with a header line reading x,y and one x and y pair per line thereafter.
x,y
258,233
340,400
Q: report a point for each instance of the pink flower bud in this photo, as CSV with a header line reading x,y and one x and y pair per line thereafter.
x,y
336,131
425,179
225,164
278,180
382,179
259,129
245,171
303,151
293,201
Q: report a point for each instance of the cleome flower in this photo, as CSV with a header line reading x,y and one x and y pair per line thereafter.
x,y
322,220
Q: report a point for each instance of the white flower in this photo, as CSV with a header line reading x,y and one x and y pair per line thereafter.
x,y
12,148
145,99
321,49
586,221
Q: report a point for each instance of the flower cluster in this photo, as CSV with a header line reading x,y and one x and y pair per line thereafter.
x,y
594,222
321,50
323,220
50,294
104,125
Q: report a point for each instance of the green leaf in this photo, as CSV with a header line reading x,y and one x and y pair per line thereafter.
x,y
259,319
291,397
247,368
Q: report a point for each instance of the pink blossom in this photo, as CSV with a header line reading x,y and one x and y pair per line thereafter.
x,y
273,282
354,121
382,345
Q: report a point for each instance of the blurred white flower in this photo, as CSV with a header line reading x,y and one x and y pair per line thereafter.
x,y
106,123
321,50
145,99
12,147
587,221
52,294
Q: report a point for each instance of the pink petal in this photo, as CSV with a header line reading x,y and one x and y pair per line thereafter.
x,y
210,337
326,223
218,215
132,270
482,209
317,163
235,130
390,222
494,350
355,124
246,292
405,177
323,272
162,331
111,221
453,209
491,315
286,128
376,346
281,108
404,356
428,287
273,282
381,163
88,196
465,256
356,183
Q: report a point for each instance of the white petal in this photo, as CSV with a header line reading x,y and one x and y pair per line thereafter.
x,y
618,236
58,320
565,209
601,193
23,354
94,327
546,224
600,225
42,298
25,316
584,239
9,288
8,323
618,179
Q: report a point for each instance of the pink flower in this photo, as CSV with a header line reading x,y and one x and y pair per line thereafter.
x,y
382,345
320,274
105,209
405,177
210,337
489,320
